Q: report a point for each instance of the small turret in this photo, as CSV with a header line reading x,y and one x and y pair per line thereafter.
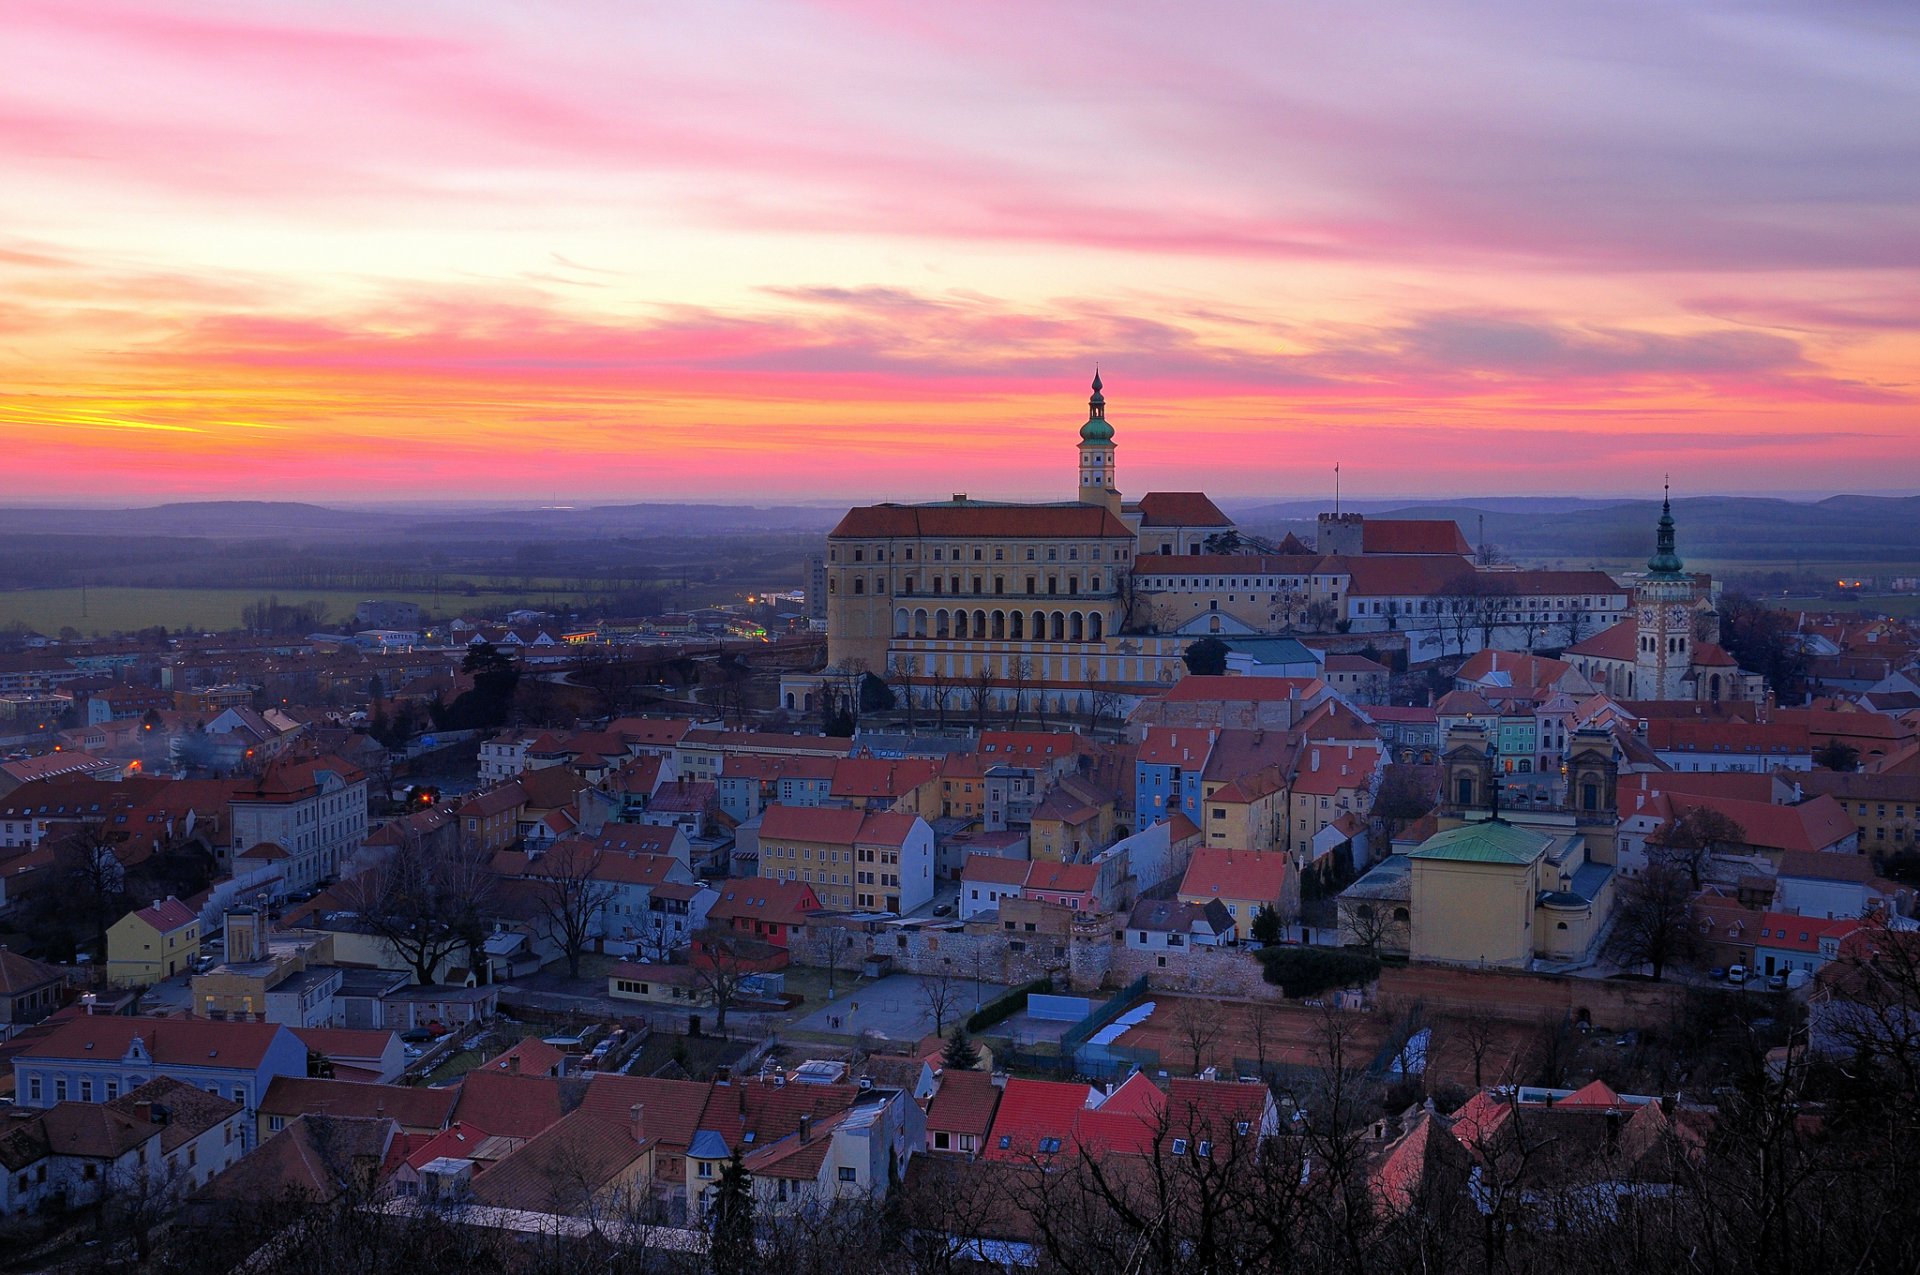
x,y
1665,562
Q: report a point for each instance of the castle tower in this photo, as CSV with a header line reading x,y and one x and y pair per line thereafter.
x,y
1097,485
1663,603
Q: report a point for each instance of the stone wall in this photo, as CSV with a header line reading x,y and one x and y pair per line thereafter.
x,y
1008,959
1199,971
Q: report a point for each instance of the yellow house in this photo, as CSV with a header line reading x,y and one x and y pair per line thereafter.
x,y
1249,813
660,984
1075,819
1502,894
154,943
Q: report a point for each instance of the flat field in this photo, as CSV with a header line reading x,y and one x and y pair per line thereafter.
x,y
122,610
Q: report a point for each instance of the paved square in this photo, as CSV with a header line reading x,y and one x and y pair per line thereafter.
x,y
895,1007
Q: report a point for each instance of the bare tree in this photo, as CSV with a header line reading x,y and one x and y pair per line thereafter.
x,y
1574,624
425,903
1653,924
939,685
906,675
571,894
1019,672
941,996
837,941
721,966
1691,841
1103,704
1376,927
1263,1031
979,690
1196,1025
1477,1029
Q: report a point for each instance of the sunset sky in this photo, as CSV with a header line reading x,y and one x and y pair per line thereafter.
x,y
606,250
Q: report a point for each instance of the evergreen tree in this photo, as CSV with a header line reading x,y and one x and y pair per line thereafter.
x,y
732,1247
961,1055
1266,924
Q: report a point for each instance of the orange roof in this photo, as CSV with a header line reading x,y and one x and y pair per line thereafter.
x,y
1615,642
987,869
1235,874
1061,878
1180,509
881,777
167,915
1413,535
980,521
1236,690
828,825
964,1102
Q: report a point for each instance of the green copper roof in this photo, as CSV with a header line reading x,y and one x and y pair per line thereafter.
x,y
1491,841
1096,430
1664,562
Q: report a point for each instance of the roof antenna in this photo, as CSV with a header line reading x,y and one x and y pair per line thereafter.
x,y
1336,489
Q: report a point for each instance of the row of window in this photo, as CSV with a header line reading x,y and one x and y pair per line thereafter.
x,y
955,553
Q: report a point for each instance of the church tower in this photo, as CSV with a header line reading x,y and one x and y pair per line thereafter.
x,y
1096,454
1663,604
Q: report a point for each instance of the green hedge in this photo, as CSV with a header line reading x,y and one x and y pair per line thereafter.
x,y
1007,1006
1308,971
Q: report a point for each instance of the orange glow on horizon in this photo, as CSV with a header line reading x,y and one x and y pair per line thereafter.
x,y
358,252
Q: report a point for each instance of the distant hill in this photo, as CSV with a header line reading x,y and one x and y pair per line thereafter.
x,y
301,522
1862,529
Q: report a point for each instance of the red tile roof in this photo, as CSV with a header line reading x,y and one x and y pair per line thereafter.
x,y
1196,688
987,869
964,1103
1413,535
170,1041
1061,878
168,915
1235,874
979,521
515,1106
1180,509
413,1107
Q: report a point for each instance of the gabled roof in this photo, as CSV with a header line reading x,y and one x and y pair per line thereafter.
x,y
1235,874
515,1106
168,915
987,869
1180,509
759,899
1203,688
1413,535
1061,878
413,1107
564,1167
185,1042
315,1157
964,1102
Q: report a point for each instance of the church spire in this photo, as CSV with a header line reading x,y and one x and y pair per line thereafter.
x,y
1096,430
1665,562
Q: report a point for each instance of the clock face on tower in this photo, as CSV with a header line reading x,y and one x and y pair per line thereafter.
x,y
1646,616
1676,617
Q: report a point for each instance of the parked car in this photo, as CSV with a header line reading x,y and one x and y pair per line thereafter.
x,y
1736,973
941,909
1797,979
1717,973
415,1036
1778,983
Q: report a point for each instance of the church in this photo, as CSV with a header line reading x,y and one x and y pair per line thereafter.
x,y
1668,646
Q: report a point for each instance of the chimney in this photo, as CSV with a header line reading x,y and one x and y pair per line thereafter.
x,y
1316,759
513,1062
143,1110
806,1126
639,1113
